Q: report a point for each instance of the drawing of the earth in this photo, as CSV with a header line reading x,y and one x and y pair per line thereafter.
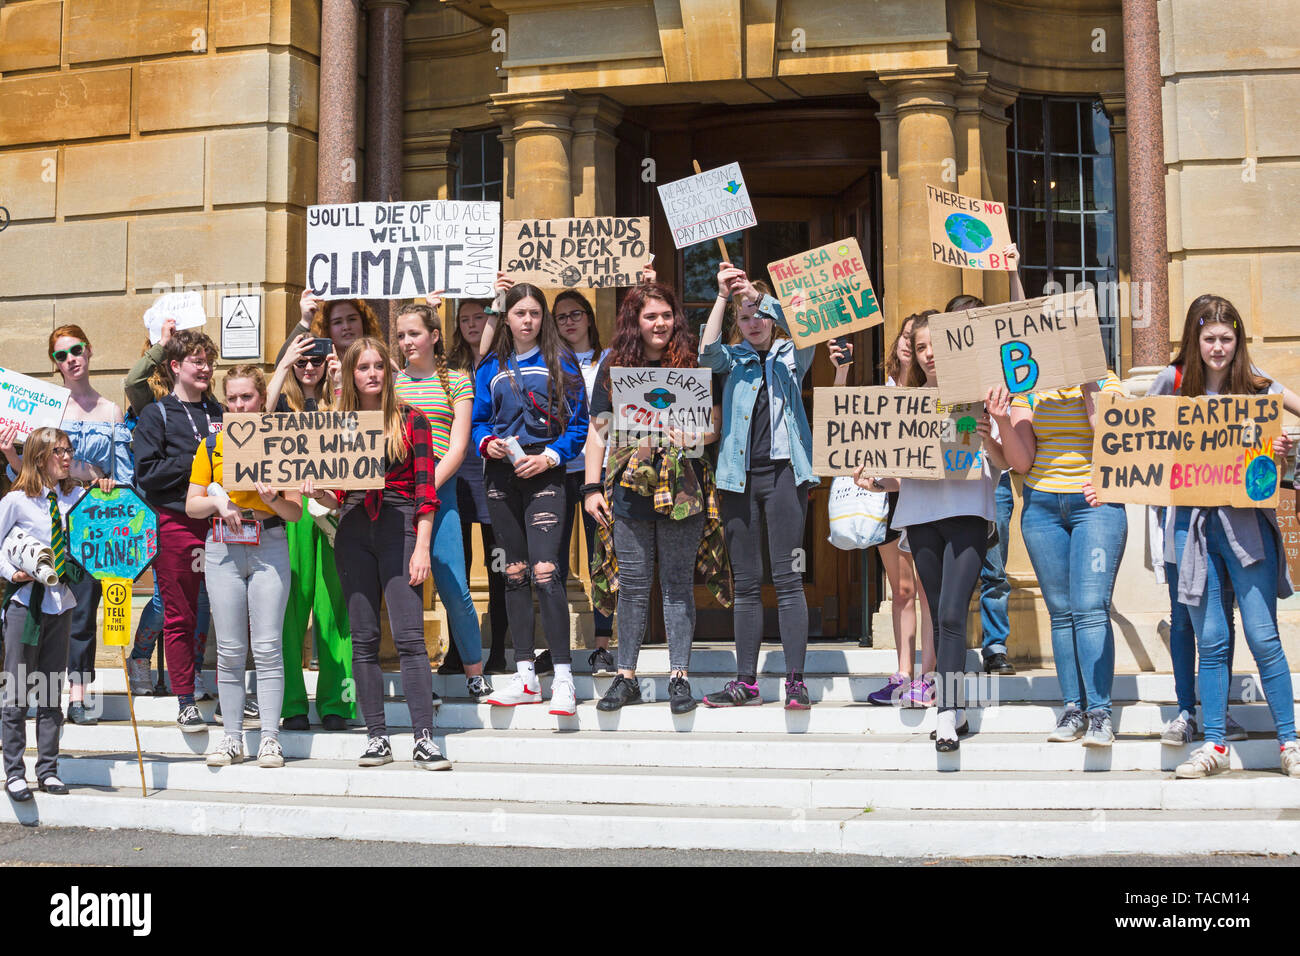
x,y
1261,478
967,233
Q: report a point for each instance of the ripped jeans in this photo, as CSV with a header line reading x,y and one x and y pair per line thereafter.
x,y
528,525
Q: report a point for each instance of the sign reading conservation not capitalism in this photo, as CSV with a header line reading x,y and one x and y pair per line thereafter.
x,y
402,250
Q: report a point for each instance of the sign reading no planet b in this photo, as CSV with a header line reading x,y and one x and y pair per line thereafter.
x,y
649,401
400,250
968,233
825,292
1030,346
1211,451
707,205
341,451
30,403
112,534
603,253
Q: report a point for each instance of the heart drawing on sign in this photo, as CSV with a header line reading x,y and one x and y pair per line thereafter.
x,y
241,432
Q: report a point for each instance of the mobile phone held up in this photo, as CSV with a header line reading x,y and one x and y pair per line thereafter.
x,y
320,347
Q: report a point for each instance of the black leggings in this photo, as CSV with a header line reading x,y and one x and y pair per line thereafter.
x,y
527,520
573,483
948,554
772,500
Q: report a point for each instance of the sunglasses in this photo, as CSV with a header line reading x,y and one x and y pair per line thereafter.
x,y
62,354
311,361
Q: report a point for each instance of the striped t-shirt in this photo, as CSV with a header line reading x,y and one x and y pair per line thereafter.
x,y
1063,460
428,396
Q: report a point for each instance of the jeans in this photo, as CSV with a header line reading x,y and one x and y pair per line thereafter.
x,y
774,502
1075,550
496,580
38,668
1182,639
249,585
150,627
83,629
995,590
179,569
450,577
573,482
636,544
1256,591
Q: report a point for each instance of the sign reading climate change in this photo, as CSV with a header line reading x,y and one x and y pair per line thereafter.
x,y
1211,451
825,292
339,451
649,401
604,253
400,250
707,205
30,403
1030,346
969,233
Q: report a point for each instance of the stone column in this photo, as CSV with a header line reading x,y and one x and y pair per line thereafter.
x,y
594,145
336,157
541,128
385,20
982,123
1148,241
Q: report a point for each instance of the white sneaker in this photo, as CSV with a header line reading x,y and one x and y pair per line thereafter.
x,y
229,750
1291,758
1233,730
517,691
270,753
1205,762
140,675
564,701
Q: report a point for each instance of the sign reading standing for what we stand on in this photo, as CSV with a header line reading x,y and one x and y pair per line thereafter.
x,y
825,292
400,250
707,205
604,253
339,451
1030,346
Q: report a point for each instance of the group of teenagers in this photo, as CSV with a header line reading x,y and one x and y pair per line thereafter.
x,y
508,427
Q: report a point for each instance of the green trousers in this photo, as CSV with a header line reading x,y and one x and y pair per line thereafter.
x,y
315,587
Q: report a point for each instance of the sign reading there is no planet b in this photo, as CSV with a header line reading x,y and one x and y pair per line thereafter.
x,y
968,233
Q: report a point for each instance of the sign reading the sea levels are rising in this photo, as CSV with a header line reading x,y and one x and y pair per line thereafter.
x,y
825,292
969,233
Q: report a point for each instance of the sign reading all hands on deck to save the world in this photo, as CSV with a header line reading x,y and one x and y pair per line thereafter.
x,y
341,451
825,292
650,401
707,205
601,253
968,233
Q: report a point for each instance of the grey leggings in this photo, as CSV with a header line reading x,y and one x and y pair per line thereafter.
x,y
635,545
248,585
772,501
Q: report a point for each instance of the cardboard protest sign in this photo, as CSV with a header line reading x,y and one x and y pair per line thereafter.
x,y
649,401
340,451
30,402
185,307
400,250
117,612
113,534
1210,451
825,292
961,449
602,253
1030,346
968,233
707,205
1290,528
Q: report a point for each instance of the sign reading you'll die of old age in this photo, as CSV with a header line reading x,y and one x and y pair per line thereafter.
x,y
341,451
600,253
825,292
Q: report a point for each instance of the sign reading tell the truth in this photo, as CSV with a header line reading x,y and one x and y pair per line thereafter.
x,y
400,250
894,433
1211,451
1030,346
604,253
30,402
968,233
649,401
707,205
340,451
825,292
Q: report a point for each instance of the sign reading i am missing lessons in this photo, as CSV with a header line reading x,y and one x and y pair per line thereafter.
x,y
401,250
707,205
968,233
825,292
600,253
1030,346
650,401
340,451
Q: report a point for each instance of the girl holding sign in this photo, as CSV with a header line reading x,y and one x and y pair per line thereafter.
x,y
1212,547
247,569
36,618
382,548
530,416
653,499
947,522
765,476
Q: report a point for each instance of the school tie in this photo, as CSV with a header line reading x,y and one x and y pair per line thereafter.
x,y
58,540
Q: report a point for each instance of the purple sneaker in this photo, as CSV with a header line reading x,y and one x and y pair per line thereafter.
x,y
888,695
920,693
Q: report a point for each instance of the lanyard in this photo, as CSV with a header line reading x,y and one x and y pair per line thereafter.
x,y
193,425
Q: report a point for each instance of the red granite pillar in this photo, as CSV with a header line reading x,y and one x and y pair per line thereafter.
x,y
385,30
336,156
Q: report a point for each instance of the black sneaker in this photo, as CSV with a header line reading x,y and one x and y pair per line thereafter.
x,y
252,716
480,688
437,701
624,690
497,665
296,722
78,714
735,694
333,723
190,721
542,663
378,752
680,700
451,662
602,661
998,664
426,754
796,695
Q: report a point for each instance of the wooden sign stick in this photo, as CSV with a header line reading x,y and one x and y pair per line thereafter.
x,y
130,703
722,245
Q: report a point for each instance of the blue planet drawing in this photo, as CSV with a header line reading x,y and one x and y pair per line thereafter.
x,y
1261,478
967,233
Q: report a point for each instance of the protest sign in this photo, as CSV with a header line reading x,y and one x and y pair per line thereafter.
x,y
1290,528
112,534
1211,451
117,612
707,205
825,292
401,250
185,307
603,253
340,451
30,403
649,401
968,233
1030,346
894,433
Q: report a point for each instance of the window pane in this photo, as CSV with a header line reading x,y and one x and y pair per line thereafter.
x,y
1096,130
1066,239
1029,167
1065,183
1033,238
1065,125
1032,280
493,156
700,267
472,159
770,241
1099,240
1029,123
1098,183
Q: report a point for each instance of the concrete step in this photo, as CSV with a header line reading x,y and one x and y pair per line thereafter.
x,y
842,831
700,787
